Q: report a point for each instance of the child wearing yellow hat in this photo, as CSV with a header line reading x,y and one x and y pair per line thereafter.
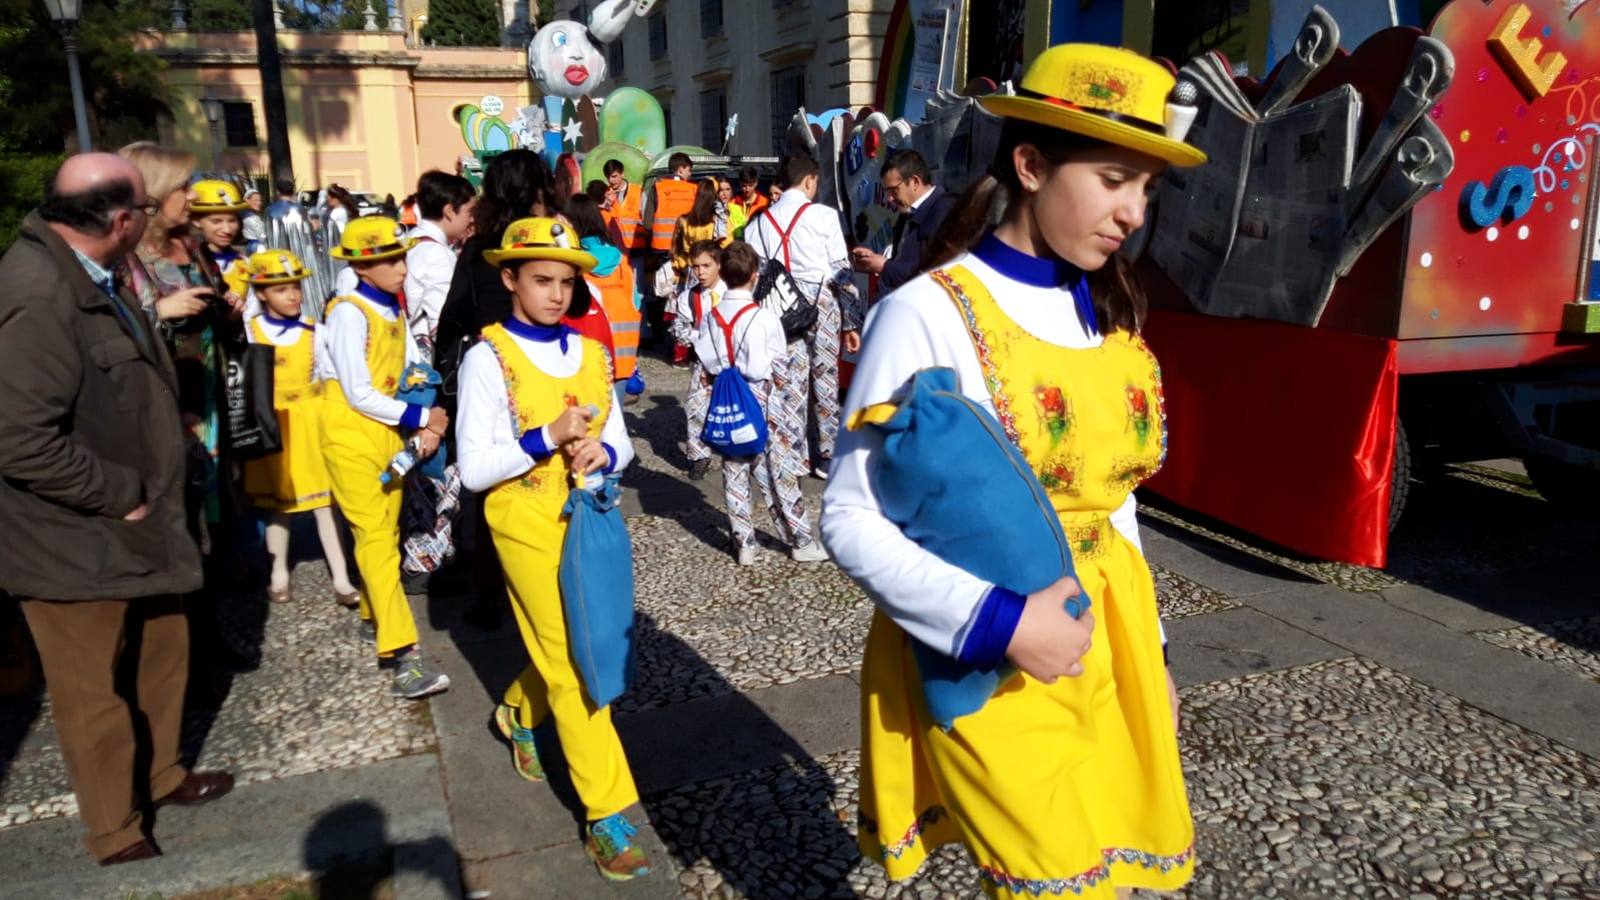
x,y
214,208
367,348
1067,780
556,386
295,479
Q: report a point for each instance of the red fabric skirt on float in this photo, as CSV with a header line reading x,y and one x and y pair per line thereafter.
x,y
1283,431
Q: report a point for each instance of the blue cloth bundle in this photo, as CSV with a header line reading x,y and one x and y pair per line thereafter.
x,y
596,577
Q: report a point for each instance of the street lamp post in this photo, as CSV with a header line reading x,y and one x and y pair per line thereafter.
x,y
213,110
66,13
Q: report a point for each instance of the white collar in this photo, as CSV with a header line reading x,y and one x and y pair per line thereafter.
x,y
921,200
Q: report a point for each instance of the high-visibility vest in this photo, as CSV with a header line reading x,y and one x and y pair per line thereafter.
x,y
616,296
674,199
627,216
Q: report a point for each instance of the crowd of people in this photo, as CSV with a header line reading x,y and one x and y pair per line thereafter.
x,y
523,307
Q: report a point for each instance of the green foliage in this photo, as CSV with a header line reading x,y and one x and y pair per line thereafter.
x,y
219,15
462,23
22,181
122,86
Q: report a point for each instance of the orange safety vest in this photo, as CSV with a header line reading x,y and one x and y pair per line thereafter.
x,y
616,296
674,199
627,217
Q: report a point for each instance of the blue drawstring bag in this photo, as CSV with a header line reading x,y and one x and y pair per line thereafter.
x,y
419,385
736,425
957,486
596,577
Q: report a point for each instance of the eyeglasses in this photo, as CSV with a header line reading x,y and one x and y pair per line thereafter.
x,y
148,208
893,187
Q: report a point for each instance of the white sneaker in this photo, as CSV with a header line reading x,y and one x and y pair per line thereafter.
x,y
812,552
747,555
820,473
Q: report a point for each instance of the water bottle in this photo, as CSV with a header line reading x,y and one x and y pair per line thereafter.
x,y
403,462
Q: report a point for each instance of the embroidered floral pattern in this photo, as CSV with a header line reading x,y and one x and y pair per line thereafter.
x,y
1077,884
1054,411
980,344
1088,540
1128,472
897,849
1161,397
1139,413
1061,473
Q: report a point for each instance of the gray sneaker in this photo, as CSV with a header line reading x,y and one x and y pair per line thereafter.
x,y
413,679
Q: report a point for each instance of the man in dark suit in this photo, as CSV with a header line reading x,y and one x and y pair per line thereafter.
x,y
908,183
91,503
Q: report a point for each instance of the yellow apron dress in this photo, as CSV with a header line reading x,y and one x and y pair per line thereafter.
x,y
357,450
1067,788
524,515
296,478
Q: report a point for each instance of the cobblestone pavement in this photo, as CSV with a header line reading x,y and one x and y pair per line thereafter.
x,y
1342,777
313,701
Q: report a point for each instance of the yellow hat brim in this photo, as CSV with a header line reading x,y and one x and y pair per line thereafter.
x,y
584,261
1088,124
400,249
207,208
269,280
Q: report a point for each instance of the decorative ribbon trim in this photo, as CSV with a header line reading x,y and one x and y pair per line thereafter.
x,y
1077,884
1123,118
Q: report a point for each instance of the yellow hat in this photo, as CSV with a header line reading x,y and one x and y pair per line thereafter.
x,y
276,267
371,238
541,239
213,196
1107,93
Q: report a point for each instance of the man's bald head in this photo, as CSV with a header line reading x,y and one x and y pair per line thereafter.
x,y
95,202
87,171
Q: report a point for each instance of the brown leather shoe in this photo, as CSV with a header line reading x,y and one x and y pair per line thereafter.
x,y
145,849
198,788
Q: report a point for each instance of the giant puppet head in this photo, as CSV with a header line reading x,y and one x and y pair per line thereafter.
x,y
567,59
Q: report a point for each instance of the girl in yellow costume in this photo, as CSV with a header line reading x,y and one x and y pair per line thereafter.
x,y
1068,779
367,348
295,479
537,413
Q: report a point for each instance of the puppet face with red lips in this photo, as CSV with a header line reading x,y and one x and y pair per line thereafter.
x,y
564,61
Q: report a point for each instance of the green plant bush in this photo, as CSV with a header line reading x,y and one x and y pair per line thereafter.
x,y
23,177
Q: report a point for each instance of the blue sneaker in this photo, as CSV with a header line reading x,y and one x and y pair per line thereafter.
x,y
610,844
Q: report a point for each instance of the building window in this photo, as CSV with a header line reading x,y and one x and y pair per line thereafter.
x,y
658,36
713,117
615,58
710,18
666,113
239,124
788,95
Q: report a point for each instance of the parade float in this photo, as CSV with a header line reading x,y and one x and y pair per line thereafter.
x,y
1388,264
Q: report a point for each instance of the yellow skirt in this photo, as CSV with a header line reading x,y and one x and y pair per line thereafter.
x,y
294,479
1072,787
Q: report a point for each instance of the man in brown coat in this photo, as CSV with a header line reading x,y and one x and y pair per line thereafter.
x,y
91,503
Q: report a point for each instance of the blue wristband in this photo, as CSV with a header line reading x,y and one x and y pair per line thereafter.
x,y
990,635
611,460
532,442
413,416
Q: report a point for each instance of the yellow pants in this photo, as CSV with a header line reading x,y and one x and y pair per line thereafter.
x,y
528,532
357,450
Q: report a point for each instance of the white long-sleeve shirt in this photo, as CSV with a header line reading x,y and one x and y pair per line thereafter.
x,y
817,251
914,328
342,356
430,265
488,442
684,327
758,339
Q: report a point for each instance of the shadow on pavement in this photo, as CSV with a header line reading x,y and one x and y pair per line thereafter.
x,y
21,683
349,855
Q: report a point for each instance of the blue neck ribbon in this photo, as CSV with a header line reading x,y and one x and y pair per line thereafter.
x,y
541,334
284,325
380,297
1040,272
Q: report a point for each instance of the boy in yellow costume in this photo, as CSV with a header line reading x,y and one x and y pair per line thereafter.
x,y
367,348
1067,781
295,479
536,414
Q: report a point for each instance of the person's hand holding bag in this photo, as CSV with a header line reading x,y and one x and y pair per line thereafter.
x,y
1049,643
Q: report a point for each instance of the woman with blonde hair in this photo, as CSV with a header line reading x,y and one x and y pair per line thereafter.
x,y
182,290
1066,779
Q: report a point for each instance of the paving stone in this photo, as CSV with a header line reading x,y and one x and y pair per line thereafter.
x,y
1280,766
1571,644
314,701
